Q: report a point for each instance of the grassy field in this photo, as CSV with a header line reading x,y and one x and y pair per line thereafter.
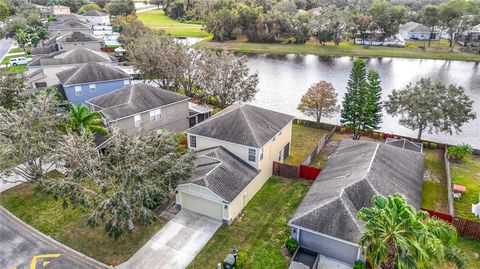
x,y
412,50
69,227
304,140
156,19
468,175
435,193
261,231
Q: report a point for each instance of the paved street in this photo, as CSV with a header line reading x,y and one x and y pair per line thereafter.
x,y
5,45
20,248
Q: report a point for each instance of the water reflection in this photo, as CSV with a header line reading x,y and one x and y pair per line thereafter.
x,y
284,79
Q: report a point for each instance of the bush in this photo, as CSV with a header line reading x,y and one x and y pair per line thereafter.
x,y
459,153
241,260
291,245
358,265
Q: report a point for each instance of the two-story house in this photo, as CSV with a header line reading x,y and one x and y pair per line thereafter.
x,y
95,17
143,107
90,80
236,149
69,25
69,41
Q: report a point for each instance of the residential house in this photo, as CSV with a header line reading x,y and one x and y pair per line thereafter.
x,y
106,34
198,113
236,149
90,80
470,37
42,69
66,26
417,31
325,223
66,17
59,10
376,38
68,42
95,17
142,106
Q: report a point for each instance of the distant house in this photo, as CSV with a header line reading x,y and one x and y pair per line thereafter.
x,y
91,79
43,68
236,149
417,31
142,106
95,17
59,10
68,42
198,113
470,37
67,26
378,39
106,34
68,17
325,223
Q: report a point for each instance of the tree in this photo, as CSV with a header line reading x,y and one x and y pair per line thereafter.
x,y
398,236
22,38
158,3
361,109
3,11
451,13
42,33
387,17
430,17
82,118
320,100
88,7
12,89
222,21
74,5
134,176
431,107
30,135
121,7
226,79
131,31
101,3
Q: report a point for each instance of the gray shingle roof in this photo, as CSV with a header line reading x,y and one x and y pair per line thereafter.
x,y
354,173
414,27
91,72
243,124
222,172
77,37
133,99
47,49
75,56
94,13
69,24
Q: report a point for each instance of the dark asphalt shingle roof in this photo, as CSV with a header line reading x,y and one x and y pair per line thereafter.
x,y
77,37
91,72
47,49
69,24
222,172
354,173
243,124
75,56
133,99
414,27
94,13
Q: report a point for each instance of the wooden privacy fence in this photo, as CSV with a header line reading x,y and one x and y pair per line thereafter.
x,y
308,172
319,146
467,228
286,170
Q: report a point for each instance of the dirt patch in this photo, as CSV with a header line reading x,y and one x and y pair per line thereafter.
x,y
429,176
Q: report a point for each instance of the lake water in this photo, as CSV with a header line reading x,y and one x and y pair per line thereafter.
x,y
284,79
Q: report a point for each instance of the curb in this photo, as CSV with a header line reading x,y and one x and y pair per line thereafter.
x,y
54,243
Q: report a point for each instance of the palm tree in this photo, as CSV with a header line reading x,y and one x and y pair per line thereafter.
x,y
399,236
82,118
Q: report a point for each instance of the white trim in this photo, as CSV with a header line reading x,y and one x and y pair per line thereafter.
x,y
94,82
141,112
373,158
223,141
220,199
324,235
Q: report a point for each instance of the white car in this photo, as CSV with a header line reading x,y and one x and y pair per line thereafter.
x,y
18,61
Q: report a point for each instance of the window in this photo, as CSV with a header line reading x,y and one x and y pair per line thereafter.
x,y
78,90
155,115
252,155
261,154
126,82
193,141
138,121
93,88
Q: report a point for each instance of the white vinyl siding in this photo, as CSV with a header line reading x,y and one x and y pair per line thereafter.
x,y
78,90
261,154
92,87
155,115
137,121
252,155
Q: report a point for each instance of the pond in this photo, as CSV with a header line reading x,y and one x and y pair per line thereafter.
x,y
284,79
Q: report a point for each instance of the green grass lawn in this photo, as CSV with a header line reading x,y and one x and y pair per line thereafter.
x,y
7,58
68,226
344,49
261,231
15,50
435,193
157,19
469,247
468,175
304,140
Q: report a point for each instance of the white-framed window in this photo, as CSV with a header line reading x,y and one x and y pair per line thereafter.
x,y
126,82
92,87
137,120
155,115
193,141
252,155
78,90
261,154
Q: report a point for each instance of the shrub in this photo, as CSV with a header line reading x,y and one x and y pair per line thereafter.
x,y
241,260
459,153
358,265
291,245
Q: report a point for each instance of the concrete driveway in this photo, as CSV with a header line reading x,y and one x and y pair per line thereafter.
x,y
176,244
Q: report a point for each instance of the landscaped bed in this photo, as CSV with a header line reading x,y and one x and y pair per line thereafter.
x,y
68,226
468,175
304,140
262,229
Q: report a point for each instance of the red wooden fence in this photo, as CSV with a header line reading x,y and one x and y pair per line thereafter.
x,y
308,172
443,216
467,228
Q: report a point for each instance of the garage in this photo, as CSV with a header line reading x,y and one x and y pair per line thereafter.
x,y
202,206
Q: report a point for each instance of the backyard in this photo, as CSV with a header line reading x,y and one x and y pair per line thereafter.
x,y
304,140
468,175
68,226
156,19
435,193
262,229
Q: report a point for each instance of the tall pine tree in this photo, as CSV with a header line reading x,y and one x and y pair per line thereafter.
x,y
361,105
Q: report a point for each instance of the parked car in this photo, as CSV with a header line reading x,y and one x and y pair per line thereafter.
x,y
18,61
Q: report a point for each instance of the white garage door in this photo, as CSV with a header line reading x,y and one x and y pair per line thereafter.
x,y
202,206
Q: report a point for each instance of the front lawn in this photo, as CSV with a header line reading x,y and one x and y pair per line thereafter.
x,y
435,193
468,175
15,50
7,58
157,19
261,231
304,140
69,227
